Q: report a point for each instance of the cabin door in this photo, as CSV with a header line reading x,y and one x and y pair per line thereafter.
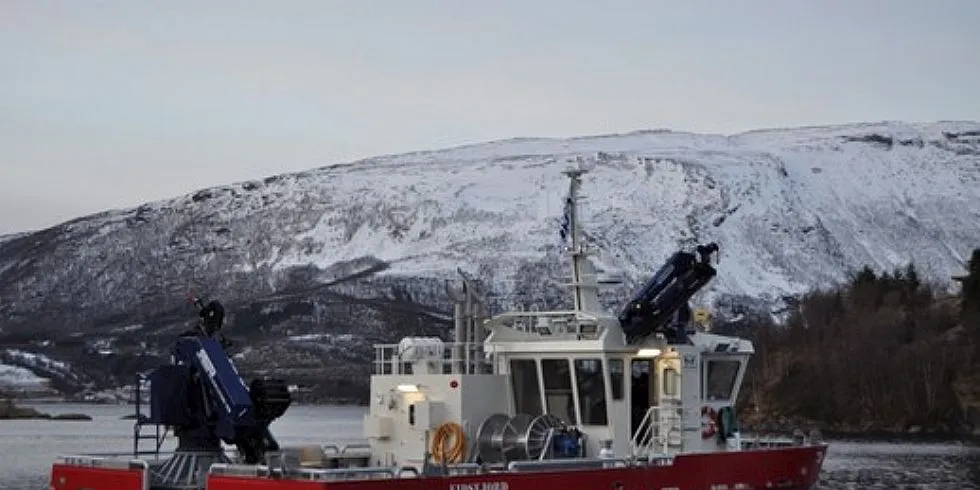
x,y
642,391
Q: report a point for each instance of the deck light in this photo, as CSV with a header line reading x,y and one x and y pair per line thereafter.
x,y
648,352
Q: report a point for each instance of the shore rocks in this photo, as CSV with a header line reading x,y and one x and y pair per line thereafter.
x,y
10,411
967,390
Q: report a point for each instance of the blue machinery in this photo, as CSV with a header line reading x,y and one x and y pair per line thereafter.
x,y
664,297
202,397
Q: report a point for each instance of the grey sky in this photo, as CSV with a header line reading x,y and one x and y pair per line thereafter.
x,y
113,103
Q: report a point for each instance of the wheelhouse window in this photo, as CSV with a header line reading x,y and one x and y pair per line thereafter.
x,y
591,391
558,396
720,378
617,373
524,382
671,381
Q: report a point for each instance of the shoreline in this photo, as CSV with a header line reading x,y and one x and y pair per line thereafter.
x,y
880,436
10,410
925,435
901,436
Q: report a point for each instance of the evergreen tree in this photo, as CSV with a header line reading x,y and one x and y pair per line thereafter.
x,y
912,277
971,293
866,353
865,276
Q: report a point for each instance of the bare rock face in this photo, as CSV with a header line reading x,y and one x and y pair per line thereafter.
x,y
968,391
315,266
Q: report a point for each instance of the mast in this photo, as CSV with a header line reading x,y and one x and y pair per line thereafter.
x,y
584,285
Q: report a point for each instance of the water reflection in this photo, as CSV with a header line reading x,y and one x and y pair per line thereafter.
x,y
901,465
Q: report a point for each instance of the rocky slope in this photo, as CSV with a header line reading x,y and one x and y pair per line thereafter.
x,y
359,253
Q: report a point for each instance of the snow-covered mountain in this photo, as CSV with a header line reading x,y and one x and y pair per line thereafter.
x,y
791,208
22,371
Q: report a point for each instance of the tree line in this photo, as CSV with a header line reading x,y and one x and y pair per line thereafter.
x,y
885,351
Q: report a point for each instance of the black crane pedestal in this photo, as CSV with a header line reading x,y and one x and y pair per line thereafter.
x,y
187,468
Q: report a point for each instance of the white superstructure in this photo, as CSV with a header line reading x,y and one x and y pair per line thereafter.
x,y
547,384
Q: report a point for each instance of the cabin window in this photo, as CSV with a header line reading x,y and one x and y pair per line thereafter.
x,y
720,378
591,391
616,376
558,395
671,381
524,382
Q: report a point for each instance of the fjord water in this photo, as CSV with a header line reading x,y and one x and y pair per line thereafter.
x,y
27,448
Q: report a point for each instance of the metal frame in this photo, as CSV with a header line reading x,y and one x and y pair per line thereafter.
x,y
157,436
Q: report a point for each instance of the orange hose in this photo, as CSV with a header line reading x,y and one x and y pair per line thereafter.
x,y
454,454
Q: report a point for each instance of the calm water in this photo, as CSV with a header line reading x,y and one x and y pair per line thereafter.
x,y
27,448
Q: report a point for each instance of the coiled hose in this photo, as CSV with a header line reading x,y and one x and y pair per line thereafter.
x,y
456,452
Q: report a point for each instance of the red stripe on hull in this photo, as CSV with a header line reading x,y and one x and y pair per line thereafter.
x,y
787,468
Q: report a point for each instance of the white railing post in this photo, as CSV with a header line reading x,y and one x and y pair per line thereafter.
x,y
644,433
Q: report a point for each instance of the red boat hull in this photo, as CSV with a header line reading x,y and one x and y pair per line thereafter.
x,y
794,468
80,476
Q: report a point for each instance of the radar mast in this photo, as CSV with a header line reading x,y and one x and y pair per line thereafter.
x,y
584,284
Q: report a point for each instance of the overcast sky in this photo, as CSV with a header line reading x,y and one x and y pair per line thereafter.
x,y
113,103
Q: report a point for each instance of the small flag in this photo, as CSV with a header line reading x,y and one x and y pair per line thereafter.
x,y
566,220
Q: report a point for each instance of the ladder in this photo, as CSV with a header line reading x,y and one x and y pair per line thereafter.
x,y
158,433
658,432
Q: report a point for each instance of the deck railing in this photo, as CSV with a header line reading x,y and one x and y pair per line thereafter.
x,y
440,358
659,430
551,323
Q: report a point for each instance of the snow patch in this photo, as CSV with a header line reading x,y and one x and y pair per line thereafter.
x,y
19,378
39,361
321,337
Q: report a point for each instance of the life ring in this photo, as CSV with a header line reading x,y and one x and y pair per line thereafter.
x,y
456,452
709,422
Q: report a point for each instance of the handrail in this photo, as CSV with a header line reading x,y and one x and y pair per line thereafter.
x,y
373,472
318,474
338,450
387,359
140,420
567,322
360,446
315,474
653,435
578,463
102,462
330,450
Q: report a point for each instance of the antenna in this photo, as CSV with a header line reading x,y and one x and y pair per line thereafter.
x,y
468,312
584,286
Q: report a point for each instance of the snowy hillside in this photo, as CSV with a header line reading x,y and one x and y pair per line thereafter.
x,y
360,252
791,209
25,372
16,378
